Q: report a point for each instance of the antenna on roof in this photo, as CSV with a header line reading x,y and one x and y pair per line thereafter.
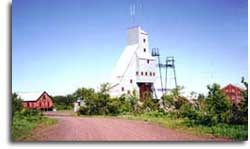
x,y
132,13
140,11
138,5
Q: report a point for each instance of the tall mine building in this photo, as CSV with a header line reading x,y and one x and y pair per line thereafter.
x,y
135,71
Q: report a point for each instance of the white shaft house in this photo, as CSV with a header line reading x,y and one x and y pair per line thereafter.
x,y
135,71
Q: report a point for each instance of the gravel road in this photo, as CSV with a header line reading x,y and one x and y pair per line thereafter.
x,y
72,128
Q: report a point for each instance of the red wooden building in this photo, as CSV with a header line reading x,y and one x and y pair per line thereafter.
x,y
233,92
37,101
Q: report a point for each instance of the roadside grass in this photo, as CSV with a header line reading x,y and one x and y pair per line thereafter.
x,y
66,112
22,126
234,132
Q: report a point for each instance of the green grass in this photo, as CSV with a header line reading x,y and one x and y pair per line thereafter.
x,y
22,126
235,132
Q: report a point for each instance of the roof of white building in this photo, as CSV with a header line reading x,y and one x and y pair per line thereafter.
x,y
123,62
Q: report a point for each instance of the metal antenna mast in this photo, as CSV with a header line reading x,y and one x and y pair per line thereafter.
x,y
133,8
132,13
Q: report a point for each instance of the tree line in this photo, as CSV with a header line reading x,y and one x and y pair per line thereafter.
x,y
209,110
215,110
204,110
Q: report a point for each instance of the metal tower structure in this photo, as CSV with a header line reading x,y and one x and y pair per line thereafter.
x,y
156,53
169,64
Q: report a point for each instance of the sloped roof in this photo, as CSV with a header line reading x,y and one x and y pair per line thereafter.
x,y
232,86
30,96
123,62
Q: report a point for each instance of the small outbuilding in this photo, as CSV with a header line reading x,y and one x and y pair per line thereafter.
x,y
37,101
77,104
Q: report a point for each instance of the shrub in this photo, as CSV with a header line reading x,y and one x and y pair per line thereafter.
x,y
168,102
206,119
83,111
179,101
188,111
16,103
113,106
243,105
30,112
174,100
23,122
150,105
218,105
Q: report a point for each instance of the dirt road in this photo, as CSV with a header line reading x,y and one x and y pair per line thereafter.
x,y
72,128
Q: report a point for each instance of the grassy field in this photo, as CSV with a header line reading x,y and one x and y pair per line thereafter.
x,y
235,132
22,126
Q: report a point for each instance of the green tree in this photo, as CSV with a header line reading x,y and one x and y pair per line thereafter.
x,y
63,102
84,93
168,100
16,103
178,102
102,103
187,110
218,105
244,102
114,106
133,102
201,97
104,88
174,100
90,97
199,103
239,112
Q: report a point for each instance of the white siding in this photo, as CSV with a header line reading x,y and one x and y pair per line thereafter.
x,y
133,59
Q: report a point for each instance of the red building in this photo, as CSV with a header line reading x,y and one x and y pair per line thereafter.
x,y
34,101
233,92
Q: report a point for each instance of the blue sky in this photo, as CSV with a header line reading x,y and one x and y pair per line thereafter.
x,y
60,45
